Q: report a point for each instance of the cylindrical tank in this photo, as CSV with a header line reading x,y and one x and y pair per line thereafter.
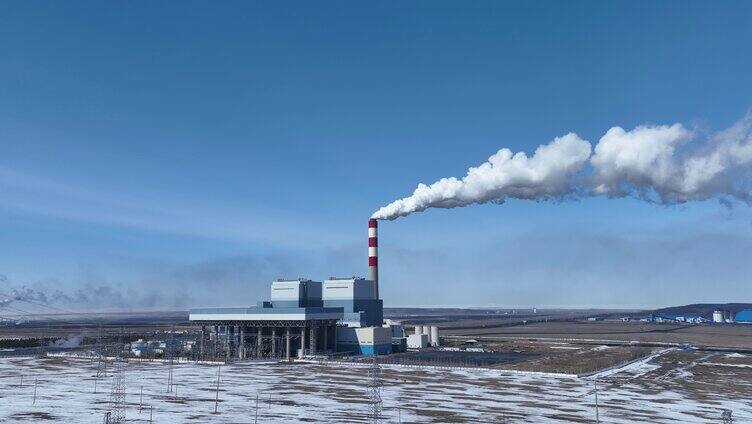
x,y
434,335
418,329
427,332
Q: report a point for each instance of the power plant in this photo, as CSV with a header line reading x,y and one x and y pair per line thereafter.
x,y
306,317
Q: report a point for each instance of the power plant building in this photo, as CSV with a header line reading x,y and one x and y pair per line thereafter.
x,y
303,317
357,297
293,322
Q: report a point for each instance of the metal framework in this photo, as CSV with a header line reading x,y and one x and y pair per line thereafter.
x,y
267,338
117,395
374,391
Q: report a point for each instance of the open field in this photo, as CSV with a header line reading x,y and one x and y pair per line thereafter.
x,y
673,386
733,336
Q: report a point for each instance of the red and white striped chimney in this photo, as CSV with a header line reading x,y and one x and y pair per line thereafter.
x,y
373,253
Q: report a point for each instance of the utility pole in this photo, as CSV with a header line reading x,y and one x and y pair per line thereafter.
x,y
255,419
597,418
216,399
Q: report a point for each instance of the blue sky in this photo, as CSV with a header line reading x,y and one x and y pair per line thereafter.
x,y
187,153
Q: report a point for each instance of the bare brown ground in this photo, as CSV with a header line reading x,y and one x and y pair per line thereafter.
x,y
732,336
582,361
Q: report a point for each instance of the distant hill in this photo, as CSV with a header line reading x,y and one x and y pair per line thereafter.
x,y
704,310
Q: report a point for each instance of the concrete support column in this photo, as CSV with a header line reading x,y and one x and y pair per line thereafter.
x,y
314,333
287,344
216,341
303,338
334,349
201,345
241,347
228,339
326,337
274,342
258,342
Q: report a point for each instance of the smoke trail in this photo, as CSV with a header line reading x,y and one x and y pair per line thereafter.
x,y
547,174
665,164
662,162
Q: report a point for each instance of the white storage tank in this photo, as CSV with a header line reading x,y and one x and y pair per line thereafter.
x,y
418,329
434,335
427,332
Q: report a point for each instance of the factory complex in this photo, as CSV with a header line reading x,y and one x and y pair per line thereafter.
x,y
306,317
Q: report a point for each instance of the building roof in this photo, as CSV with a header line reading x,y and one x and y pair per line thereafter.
x,y
264,314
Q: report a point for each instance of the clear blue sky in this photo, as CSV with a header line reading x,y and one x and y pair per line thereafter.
x,y
186,153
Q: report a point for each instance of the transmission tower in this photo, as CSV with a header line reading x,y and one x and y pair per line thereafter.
x,y
100,351
374,391
170,354
117,396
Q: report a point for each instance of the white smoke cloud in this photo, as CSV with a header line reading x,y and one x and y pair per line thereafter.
x,y
642,158
547,174
661,163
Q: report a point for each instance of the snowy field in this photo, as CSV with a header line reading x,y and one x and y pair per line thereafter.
x,y
672,387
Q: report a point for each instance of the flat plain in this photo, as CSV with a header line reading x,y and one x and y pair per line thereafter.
x,y
733,336
669,386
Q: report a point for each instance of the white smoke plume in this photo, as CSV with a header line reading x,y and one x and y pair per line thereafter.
x,y
547,174
661,163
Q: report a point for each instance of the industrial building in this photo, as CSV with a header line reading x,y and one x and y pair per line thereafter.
x,y
304,317
425,335
744,317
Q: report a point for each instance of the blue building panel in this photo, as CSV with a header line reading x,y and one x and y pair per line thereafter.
x,y
365,349
382,349
744,316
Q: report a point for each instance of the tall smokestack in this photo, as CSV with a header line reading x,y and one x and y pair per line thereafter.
x,y
373,255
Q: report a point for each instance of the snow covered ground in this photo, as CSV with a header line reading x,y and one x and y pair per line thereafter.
x,y
673,387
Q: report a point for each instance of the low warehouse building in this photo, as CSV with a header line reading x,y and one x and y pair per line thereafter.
x,y
417,341
364,340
